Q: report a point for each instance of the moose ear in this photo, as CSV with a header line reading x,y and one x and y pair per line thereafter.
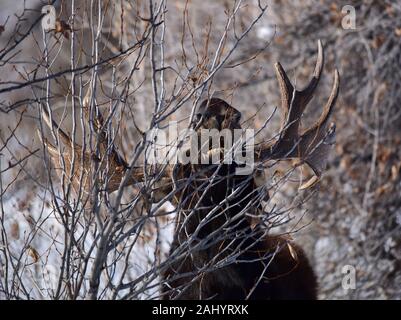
x,y
198,117
202,107
237,116
201,111
197,120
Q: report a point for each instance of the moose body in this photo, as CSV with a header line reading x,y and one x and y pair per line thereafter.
x,y
222,255
264,268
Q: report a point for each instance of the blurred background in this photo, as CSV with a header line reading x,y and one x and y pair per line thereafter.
x,y
351,221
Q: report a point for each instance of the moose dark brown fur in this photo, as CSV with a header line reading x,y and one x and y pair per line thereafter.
x,y
270,267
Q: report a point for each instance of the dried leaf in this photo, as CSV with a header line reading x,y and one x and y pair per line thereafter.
x,y
382,189
378,41
33,253
15,230
346,162
63,27
395,169
385,154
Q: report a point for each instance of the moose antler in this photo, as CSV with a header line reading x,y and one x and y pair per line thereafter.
x,y
109,157
310,147
98,124
313,145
